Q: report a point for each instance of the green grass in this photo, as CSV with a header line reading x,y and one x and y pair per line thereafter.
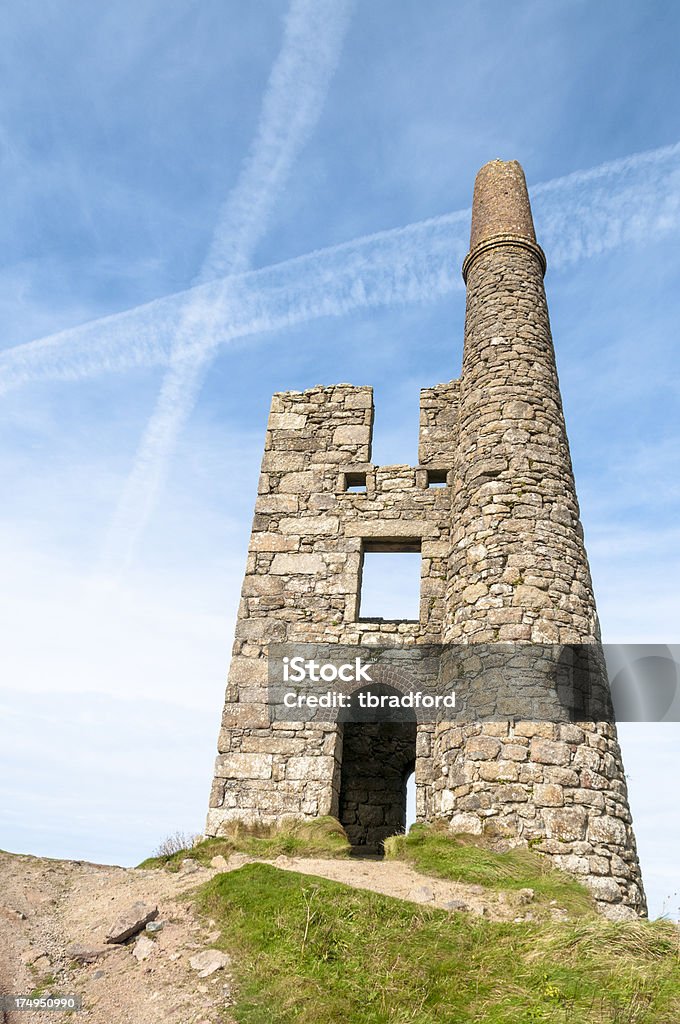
x,y
311,951
321,837
463,858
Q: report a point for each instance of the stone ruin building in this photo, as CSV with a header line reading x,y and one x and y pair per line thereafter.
x,y
502,559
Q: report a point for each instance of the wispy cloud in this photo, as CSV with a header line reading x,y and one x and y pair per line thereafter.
x,y
410,264
414,263
313,36
623,201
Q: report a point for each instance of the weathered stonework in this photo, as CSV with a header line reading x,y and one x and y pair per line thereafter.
x,y
502,560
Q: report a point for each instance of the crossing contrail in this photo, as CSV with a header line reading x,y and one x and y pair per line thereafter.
x,y
581,215
312,41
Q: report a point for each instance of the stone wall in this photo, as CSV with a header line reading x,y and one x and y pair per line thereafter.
x,y
303,581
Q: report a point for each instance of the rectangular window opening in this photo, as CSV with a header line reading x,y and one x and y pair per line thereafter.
x,y
390,581
355,483
437,477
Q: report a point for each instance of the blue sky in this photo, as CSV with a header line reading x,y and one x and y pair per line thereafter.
x,y
148,150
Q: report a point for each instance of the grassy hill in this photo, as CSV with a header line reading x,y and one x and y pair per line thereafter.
x,y
307,950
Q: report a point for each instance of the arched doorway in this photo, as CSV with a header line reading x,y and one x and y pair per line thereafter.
x,y
377,760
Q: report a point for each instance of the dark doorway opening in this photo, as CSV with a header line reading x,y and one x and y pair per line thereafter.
x,y
377,760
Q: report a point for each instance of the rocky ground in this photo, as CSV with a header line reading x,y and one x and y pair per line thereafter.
x,y
55,917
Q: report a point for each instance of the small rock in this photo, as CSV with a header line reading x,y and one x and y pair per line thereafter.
x,y
237,860
525,896
131,922
219,862
97,975
619,913
42,963
209,961
85,954
188,866
144,947
32,956
421,894
456,905
154,926
213,936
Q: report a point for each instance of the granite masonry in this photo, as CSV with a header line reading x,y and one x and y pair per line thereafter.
x,y
492,509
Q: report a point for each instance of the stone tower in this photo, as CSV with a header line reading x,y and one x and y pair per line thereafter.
x,y
502,560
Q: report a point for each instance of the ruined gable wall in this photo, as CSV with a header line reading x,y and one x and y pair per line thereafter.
x,y
302,583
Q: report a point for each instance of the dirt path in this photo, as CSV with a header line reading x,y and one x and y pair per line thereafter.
x,y
48,906
392,878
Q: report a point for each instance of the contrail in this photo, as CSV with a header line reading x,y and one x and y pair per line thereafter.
x,y
295,95
409,264
581,215
297,87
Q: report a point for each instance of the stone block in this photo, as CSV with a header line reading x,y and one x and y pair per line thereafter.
x,y
298,565
510,794
248,670
314,768
297,483
287,421
261,585
272,503
576,865
548,795
605,889
305,526
546,730
265,541
482,748
499,771
530,597
515,752
473,593
495,729
571,733
566,824
586,757
351,435
550,752
245,716
599,866
606,830
467,823
362,399
244,766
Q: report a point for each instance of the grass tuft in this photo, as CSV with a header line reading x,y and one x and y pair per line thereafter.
x,y
465,858
320,837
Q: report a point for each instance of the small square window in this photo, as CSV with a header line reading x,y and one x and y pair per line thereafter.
x,y
437,477
355,483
